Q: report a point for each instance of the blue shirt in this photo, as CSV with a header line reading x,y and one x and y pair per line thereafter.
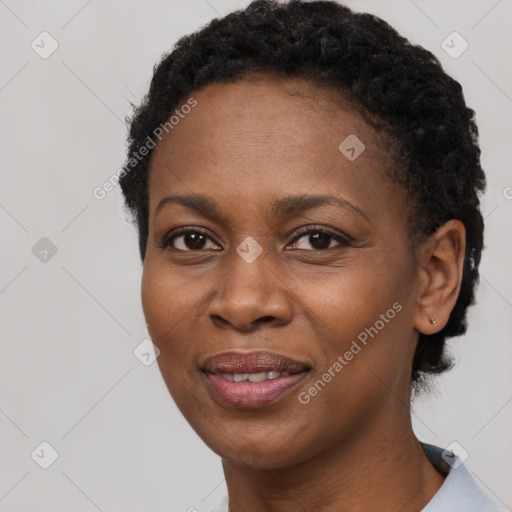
x,y
459,492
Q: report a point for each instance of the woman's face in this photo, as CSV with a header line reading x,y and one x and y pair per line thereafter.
x,y
255,274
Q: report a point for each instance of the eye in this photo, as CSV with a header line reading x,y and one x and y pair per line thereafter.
x,y
188,240
319,238
195,239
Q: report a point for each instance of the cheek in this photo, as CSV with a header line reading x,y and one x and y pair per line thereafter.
x,y
156,298
362,315
170,307
361,350
351,298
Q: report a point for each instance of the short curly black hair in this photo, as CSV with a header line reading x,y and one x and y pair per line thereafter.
x,y
401,85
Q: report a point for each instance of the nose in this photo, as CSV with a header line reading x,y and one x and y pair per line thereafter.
x,y
251,294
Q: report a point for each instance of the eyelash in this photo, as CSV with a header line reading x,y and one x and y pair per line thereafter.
x,y
343,241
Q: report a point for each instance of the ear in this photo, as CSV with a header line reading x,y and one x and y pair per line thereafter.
x,y
441,260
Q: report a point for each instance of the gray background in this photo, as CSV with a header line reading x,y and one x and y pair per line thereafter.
x,y
70,321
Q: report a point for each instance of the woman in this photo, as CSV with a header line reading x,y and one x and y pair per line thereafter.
x,y
305,184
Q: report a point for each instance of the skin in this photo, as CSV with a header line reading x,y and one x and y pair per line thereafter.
x,y
245,144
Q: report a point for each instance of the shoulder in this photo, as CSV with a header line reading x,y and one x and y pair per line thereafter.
x,y
459,490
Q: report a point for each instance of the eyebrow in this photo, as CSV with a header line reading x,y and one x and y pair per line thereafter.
x,y
283,207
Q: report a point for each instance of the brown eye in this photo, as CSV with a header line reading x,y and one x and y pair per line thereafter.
x,y
189,240
319,239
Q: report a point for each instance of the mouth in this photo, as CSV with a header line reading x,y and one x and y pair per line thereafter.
x,y
255,379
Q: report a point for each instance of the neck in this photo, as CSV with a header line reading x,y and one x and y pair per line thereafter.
x,y
377,469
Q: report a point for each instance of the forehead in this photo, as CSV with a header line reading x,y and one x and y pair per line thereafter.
x,y
267,137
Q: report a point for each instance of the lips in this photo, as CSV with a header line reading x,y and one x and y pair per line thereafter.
x,y
253,362
254,379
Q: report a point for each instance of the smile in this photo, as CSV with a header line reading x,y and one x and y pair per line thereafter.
x,y
253,377
249,380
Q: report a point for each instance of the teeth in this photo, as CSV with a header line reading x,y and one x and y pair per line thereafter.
x,y
258,377
254,377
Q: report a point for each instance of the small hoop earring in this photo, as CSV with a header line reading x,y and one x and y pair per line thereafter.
x,y
433,321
